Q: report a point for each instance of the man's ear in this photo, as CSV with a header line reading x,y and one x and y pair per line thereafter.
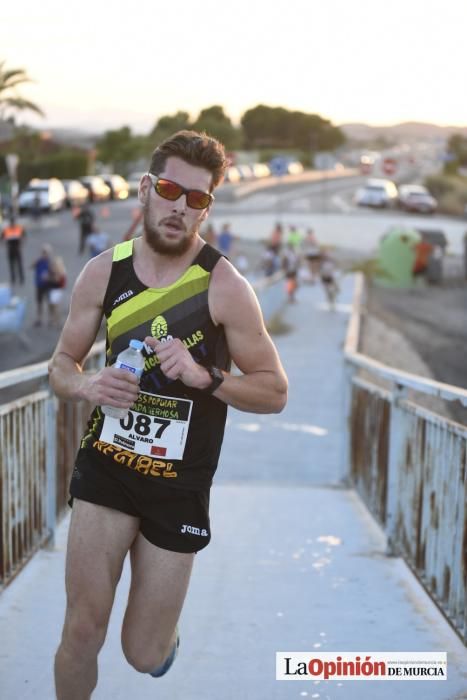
x,y
144,188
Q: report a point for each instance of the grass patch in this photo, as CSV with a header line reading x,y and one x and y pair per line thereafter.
x,y
450,191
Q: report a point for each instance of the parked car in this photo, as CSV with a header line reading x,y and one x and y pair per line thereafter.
x,y
246,171
285,165
261,170
118,186
98,190
76,193
232,174
417,198
133,181
42,195
377,193
295,167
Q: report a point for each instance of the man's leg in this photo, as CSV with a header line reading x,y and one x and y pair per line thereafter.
x,y
12,266
20,267
159,582
98,542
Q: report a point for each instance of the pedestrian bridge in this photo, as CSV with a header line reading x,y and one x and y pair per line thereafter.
x,y
338,525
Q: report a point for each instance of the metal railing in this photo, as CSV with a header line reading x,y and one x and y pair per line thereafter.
x,y
40,436
39,439
409,466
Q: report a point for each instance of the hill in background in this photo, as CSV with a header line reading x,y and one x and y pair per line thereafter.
x,y
407,131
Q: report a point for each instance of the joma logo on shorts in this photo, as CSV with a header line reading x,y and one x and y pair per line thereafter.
x,y
191,530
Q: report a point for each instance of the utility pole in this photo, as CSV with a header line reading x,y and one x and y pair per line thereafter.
x,y
12,161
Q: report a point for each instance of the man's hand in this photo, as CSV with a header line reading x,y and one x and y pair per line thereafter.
x,y
177,363
111,386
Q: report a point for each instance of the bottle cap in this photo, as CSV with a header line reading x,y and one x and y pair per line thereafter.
x,y
136,344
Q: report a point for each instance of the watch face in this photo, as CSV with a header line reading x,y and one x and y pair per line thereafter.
x,y
216,374
217,378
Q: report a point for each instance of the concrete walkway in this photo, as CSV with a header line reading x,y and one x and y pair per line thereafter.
x,y
296,563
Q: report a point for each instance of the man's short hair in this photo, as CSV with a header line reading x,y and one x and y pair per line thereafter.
x,y
194,148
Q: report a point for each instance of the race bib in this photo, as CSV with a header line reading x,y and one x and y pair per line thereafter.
x,y
156,426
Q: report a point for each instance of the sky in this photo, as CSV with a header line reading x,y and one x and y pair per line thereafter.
x,y
100,66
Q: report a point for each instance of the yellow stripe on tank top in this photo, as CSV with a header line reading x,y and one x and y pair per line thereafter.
x,y
122,250
152,302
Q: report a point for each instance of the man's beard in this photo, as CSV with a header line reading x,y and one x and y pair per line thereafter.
x,y
157,243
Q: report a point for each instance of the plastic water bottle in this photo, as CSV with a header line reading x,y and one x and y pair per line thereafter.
x,y
132,360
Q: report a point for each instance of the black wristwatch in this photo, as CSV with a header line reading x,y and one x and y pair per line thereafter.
x,y
217,377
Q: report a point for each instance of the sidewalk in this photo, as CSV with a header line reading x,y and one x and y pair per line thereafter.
x,y
296,563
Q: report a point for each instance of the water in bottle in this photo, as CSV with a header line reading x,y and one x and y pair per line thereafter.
x,y
132,360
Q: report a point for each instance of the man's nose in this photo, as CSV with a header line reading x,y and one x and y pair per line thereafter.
x,y
180,205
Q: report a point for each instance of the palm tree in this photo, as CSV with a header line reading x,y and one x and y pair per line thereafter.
x,y
9,99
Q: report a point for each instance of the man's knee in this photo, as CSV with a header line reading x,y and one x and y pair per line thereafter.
x,y
146,658
84,633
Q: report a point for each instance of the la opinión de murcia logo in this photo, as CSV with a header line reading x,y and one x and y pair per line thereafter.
x,y
361,666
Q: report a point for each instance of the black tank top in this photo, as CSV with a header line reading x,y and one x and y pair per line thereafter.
x,y
173,433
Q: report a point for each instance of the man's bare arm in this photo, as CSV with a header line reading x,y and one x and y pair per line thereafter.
x,y
108,385
262,386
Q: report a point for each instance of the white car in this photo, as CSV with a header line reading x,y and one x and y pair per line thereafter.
x,y
260,170
417,198
42,195
377,193
232,175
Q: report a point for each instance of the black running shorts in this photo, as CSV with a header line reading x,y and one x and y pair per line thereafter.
x,y
170,517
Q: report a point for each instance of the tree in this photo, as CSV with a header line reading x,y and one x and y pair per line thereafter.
x,y
265,127
169,124
10,101
216,123
276,127
119,147
457,148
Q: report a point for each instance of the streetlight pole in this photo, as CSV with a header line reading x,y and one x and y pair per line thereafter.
x,y
12,161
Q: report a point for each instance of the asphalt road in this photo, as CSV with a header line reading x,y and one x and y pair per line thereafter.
x,y
324,205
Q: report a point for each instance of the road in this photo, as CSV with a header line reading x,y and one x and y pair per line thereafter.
x,y
326,206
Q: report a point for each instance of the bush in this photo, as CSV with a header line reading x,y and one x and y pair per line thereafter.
x,y
450,191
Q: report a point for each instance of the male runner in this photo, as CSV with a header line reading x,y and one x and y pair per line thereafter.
x,y
142,484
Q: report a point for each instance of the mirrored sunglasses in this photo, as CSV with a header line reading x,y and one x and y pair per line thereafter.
x,y
196,199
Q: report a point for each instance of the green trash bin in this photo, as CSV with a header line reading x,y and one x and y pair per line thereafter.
x,y
396,257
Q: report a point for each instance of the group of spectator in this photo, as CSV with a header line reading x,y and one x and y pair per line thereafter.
x,y
50,280
49,268
49,271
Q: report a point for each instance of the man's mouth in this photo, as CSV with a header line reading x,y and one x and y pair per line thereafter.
x,y
174,225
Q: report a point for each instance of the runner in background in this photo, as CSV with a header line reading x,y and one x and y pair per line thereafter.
x,y
312,254
13,235
328,275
